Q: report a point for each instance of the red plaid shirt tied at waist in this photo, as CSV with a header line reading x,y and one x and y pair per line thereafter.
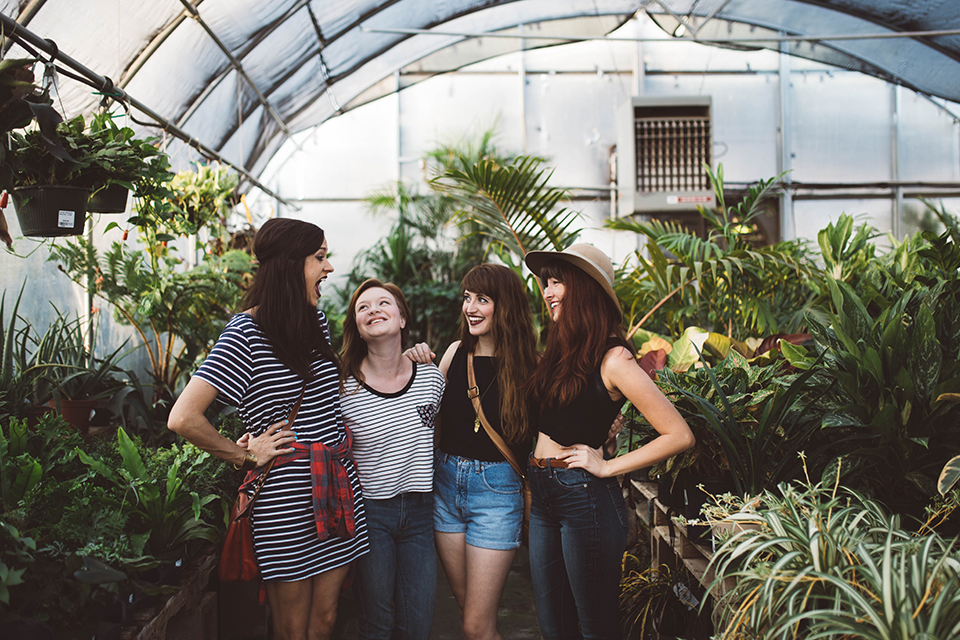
x,y
332,493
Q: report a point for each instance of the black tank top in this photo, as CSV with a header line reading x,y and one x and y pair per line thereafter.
x,y
457,435
587,419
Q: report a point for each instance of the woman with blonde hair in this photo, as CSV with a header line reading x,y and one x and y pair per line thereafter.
x,y
578,519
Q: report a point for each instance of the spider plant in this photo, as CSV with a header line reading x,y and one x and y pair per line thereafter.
x,y
829,563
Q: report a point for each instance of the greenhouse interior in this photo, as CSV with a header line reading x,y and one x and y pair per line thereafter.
x,y
762,197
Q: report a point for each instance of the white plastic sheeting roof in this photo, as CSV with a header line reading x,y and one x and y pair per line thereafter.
x,y
242,75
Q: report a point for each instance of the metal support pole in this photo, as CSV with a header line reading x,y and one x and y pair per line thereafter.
x,y
788,230
897,221
522,74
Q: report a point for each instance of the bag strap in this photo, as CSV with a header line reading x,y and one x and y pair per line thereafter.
x,y
263,476
473,392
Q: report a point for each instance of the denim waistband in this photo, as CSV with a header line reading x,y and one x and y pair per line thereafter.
x,y
460,460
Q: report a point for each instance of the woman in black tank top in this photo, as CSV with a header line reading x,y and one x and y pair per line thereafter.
x,y
478,503
578,520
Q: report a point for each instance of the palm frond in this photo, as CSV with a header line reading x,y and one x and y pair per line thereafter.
x,y
511,205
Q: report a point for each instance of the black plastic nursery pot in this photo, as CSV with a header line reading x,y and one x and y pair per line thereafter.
x,y
110,199
50,211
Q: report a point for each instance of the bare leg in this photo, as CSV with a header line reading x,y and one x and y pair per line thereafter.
x,y
452,549
305,609
477,577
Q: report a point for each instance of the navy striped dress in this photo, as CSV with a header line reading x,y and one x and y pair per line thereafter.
x,y
243,368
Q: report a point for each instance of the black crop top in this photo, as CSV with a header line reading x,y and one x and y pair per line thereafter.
x,y
457,435
587,419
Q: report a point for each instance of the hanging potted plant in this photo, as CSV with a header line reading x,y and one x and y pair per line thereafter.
x,y
21,103
124,163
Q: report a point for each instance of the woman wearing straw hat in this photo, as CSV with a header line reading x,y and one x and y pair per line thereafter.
x,y
578,521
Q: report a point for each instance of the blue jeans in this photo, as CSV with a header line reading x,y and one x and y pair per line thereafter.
x,y
578,530
396,583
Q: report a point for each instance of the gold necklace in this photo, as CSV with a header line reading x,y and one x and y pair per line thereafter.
x,y
476,420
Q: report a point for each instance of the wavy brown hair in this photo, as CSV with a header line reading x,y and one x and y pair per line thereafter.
x,y
576,343
354,346
514,339
278,293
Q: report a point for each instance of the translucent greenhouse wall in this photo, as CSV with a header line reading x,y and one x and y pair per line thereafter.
x,y
842,128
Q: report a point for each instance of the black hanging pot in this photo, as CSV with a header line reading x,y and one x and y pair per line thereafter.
x,y
110,199
49,211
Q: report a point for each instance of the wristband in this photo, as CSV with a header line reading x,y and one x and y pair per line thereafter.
x,y
249,462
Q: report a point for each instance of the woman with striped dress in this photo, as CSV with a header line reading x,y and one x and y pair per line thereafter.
x,y
389,404
275,351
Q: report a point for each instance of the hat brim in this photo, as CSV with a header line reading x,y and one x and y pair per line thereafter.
x,y
536,259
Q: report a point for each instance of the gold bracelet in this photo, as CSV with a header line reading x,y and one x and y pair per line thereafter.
x,y
249,462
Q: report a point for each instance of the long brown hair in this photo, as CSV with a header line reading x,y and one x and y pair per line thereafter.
x,y
278,292
354,346
514,339
576,343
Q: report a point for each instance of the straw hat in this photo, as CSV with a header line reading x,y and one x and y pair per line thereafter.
x,y
587,257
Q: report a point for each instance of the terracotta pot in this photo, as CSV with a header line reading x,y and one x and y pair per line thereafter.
x,y
76,413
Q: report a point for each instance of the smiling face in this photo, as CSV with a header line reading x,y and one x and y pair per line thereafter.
x,y
378,314
553,295
316,268
478,312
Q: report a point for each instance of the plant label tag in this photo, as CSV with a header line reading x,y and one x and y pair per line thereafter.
x,y
685,596
66,219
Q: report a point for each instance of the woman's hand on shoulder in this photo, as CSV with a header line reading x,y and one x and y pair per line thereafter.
x,y
421,353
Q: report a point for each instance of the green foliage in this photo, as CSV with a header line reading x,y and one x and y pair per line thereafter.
x,y
177,314
511,204
748,420
721,281
427,261
110,509
101,153
173,517
886,363
829,563
67,365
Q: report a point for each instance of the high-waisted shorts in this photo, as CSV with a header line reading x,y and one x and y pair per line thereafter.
x,y
481,499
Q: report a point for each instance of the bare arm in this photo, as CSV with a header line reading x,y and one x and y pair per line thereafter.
x,y
621,372
448,358
187,419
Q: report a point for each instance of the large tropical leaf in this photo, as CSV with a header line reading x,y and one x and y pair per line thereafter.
x,y
511,204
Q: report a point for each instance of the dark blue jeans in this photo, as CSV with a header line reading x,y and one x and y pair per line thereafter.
x,y
396,583
578,530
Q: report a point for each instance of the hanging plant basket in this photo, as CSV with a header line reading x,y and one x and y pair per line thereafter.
x,y
51,210
111,199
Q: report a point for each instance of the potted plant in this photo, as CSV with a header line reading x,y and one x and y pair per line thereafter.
x,y
21,103
124,164
51,191
71,377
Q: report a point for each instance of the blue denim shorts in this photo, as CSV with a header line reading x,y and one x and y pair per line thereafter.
x,y
481,499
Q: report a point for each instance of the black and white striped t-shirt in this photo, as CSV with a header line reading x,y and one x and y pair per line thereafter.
x,y
244,369
393,433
